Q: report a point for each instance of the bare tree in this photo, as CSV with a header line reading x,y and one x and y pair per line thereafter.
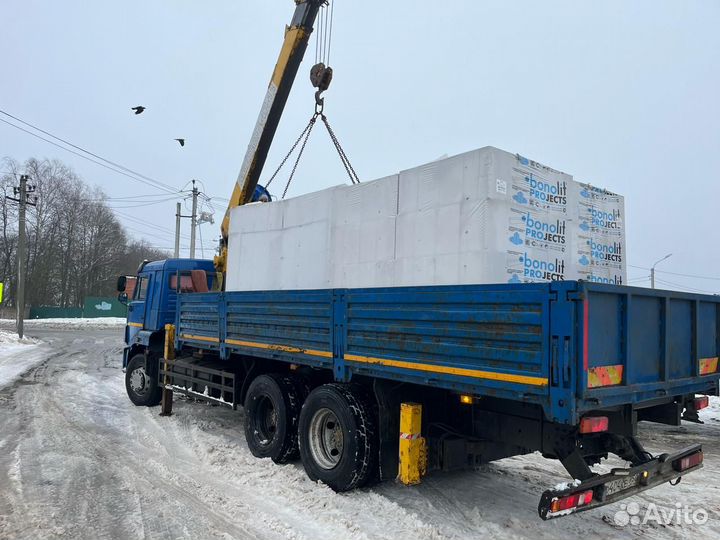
x,y
76,245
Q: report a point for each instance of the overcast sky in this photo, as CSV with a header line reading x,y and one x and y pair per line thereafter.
x,y
623,94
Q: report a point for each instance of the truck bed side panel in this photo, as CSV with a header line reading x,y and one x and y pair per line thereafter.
x,y
199,319
283,325
570,347
484,339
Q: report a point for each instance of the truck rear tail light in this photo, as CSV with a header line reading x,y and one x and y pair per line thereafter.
x,y
572,501
688,462
594,424
701,402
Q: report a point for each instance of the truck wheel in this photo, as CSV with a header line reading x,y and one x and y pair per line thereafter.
x,y
272,408
142,387
338,443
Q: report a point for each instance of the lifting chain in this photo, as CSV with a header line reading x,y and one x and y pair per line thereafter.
x,y
320,76
341,152
303,138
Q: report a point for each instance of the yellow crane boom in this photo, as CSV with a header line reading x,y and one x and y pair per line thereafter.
x,y
297,36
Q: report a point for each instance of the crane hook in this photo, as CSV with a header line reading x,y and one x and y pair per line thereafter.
x,y
320,77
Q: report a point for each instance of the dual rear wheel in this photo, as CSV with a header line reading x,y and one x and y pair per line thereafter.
x,y
332,428
272,411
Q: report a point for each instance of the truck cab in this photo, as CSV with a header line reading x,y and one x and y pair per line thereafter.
x,y
151,297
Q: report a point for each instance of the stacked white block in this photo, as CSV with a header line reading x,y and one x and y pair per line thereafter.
x,y
486,216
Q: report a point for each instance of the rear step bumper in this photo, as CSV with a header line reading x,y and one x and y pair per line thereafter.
x,y
619,483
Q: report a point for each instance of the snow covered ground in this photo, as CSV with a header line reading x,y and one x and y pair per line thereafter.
x,y
17,356
78,460
95,322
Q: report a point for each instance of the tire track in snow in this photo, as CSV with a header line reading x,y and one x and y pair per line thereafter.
x,y
83,449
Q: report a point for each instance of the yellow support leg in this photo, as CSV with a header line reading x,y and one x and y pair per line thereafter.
x,y
168,354
413,453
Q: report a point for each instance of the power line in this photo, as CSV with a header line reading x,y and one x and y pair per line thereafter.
x,y
136,198
714,278
138,205
688,275
686,287
156,236
140,177
109,201
146,224
108,164
84,156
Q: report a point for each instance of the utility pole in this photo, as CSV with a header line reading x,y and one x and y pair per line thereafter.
x,y
177,230
652,270
23,199
205,217
193,220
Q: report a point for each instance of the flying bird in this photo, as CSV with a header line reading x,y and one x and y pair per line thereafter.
x,y
139,109
181,141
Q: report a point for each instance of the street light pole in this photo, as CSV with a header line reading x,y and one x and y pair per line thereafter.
x,y
652,270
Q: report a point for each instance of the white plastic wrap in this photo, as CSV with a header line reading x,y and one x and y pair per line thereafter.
x,y
486,216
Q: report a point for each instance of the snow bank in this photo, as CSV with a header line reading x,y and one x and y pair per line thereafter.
x,y
17,356
11,338
98,322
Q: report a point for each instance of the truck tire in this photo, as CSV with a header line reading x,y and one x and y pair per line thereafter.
x,y
141,385
338,442
272,410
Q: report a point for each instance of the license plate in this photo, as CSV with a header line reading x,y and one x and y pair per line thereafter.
x,y
621,484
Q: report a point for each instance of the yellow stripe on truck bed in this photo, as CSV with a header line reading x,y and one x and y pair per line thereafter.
x,y
276,347
200,338
462,372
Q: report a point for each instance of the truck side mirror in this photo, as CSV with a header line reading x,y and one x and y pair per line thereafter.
x,y
123,298
121,283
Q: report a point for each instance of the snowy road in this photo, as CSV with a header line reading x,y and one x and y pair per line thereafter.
x,y
78,460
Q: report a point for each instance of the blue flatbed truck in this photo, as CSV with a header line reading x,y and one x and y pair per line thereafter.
x,y
567,369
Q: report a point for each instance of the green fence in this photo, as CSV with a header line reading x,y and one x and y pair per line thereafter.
x,y
95,306
52,312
